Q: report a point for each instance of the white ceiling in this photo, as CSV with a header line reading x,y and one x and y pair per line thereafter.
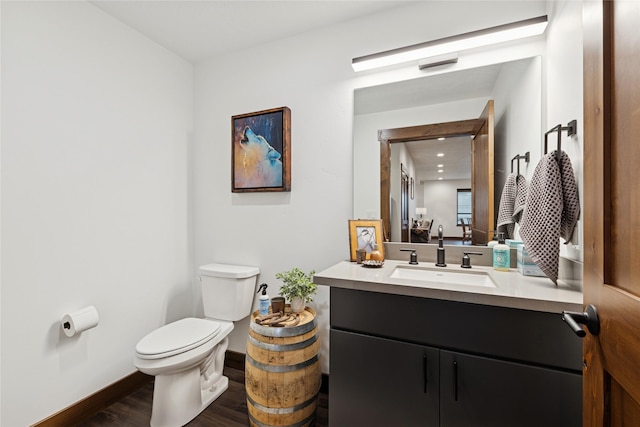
x,y
200,29
456,163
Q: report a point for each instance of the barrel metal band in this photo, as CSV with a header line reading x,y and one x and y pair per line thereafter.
x,y
281,411
293,331
283,347
298,424
283,368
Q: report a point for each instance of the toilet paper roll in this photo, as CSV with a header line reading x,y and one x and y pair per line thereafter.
x,y
81,320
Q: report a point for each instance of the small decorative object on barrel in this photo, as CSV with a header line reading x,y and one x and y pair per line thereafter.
x,y
298,287
282,368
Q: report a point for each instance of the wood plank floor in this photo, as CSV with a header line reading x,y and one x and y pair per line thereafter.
x,y
229,410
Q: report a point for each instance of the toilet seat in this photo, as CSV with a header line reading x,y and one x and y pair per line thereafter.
x,y
177,337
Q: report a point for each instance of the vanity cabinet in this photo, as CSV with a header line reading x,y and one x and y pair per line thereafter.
x,y
483,391
380,382
411,361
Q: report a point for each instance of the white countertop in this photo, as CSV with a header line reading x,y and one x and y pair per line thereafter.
x,y
511,290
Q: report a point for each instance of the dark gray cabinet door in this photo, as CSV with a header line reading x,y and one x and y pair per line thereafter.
x,y
381,382
478,391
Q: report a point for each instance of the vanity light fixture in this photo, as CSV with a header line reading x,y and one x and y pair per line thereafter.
x,y
436,61
485,37
440,154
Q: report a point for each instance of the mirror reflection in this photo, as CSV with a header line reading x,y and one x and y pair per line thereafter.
x,y
436,162
460,95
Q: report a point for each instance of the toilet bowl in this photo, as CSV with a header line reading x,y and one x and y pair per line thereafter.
x,y
176,354
187,356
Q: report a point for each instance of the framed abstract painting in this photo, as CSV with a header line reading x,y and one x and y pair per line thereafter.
x,y
261,151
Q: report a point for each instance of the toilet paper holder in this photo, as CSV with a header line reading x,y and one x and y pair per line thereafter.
x,y
80,321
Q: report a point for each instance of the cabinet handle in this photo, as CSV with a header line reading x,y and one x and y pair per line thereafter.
x,y
455,380
424,372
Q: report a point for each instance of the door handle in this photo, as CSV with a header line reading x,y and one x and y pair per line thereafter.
x,y
588,318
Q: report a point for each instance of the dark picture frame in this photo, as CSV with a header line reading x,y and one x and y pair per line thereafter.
x,y
261,151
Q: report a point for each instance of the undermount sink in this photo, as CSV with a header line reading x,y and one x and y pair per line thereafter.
x,y
439,275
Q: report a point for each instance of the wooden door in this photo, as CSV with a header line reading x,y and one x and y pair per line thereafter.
x,y
482,220
611,393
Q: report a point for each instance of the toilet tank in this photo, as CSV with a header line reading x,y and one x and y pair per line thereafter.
x,y
228,290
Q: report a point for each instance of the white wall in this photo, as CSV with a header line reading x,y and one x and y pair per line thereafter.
x,y
563,88
1,68
96,128
307,227
444,212
518,120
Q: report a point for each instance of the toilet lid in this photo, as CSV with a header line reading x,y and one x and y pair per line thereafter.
x,y
177,337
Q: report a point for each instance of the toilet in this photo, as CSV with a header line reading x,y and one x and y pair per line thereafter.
x,y
187,356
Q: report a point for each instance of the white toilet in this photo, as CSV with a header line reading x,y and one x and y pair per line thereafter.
x,y
187,356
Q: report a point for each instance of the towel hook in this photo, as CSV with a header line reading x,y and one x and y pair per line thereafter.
x,y
518,157
571,129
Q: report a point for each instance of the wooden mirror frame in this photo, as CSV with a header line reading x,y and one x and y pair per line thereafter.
x,y
386,137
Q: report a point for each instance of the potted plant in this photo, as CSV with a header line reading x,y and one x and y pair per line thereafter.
x,y
298,287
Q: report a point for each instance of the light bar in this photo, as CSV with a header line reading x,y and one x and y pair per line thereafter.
x,y
488,36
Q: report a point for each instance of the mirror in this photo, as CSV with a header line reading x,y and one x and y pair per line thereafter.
x,y
516,89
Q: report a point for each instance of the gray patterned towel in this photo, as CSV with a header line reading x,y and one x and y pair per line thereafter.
x,y
512,203
521,198
551,211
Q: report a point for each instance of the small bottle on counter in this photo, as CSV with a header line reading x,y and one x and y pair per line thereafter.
x,y
501,255
264,300
375,254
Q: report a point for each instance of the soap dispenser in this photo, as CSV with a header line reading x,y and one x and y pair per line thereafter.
x,y
501,255
494,240
440,262
264,300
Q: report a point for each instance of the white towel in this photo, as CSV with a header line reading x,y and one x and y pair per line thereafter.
x,y
551,211
512,203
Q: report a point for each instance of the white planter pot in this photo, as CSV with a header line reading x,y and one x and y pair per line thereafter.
x,y
297,304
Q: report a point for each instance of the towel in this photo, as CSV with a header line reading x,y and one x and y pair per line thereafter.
x,y
512,202
552,208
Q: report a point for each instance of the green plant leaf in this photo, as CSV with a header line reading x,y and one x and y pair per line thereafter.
x,y
296,283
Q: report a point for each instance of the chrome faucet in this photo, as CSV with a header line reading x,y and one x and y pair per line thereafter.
x,y
441,262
